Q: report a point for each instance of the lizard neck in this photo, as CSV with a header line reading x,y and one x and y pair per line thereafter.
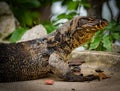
x,y
60,41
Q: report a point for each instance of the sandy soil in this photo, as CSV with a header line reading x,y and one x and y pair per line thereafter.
x,y
111,84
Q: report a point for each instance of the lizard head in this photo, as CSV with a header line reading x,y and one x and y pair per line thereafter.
x,y
87,24
83,28
91,24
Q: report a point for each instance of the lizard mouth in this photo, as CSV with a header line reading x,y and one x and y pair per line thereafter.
x,y
102,24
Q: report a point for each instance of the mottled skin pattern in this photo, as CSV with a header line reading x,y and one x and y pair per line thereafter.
x,y
36,58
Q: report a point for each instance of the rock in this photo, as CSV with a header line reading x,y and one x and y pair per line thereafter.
x,y
116,48
108,61
36,32
7,21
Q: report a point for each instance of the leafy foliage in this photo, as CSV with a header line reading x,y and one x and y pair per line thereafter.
x,y
26,17
23,11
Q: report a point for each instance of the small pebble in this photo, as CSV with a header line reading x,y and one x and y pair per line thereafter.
x,y
49,82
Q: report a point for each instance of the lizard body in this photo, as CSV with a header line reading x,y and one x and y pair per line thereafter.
x,y
34,59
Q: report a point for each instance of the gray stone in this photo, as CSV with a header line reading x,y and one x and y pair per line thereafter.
x,y
37,31
107,61
7,21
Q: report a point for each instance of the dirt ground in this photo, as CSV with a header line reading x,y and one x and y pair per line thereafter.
x,y
111,84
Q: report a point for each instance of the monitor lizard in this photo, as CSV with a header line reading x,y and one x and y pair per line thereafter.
x,y
36,58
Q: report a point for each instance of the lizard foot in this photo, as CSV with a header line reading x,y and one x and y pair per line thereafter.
x,y
58,66
71,77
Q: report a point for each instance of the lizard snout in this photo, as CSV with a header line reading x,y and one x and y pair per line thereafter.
x,y
103,23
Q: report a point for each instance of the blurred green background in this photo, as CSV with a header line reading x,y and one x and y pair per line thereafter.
x,y
52,13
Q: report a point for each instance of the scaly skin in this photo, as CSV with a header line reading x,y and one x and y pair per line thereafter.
x,y
36,58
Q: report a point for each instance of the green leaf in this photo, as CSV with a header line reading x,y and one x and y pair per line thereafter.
x,y
95,42
71,14
26,17
107,42
49,27
17,34
68,16
116,36
86,45
72,5
111,25
62,16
